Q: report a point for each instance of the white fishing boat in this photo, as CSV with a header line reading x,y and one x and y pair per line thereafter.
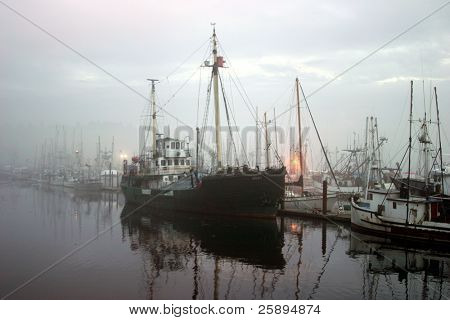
x,y
415,211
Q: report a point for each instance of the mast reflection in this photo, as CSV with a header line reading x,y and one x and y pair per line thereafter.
x,y
207,248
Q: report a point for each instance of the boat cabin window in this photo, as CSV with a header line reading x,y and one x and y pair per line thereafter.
x,y
369,196
176,162
178,145
167,146
394,205
169,162
182,162
364,204
163,162
182,145
156,163
187,162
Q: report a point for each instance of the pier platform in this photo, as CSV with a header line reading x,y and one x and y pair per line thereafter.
x,y
344,217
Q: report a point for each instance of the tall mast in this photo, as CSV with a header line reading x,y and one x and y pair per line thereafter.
x,y
112,152
258,141
64,148
153,113
216,100
370,154
300,158
366,136
379,172
99,155
267,141
409,153
275,125
440,145
81,158
196,149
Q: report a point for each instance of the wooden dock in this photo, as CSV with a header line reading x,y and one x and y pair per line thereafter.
x,y
343,218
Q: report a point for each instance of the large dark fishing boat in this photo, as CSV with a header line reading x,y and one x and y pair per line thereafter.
x,y
166,177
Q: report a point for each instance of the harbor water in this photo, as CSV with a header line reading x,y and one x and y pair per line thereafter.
x,y
90,246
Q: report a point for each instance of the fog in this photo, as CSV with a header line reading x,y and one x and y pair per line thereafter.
x,y
91,81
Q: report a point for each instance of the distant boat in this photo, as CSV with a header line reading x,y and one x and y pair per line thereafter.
x,y
6,173
110,179
167,178
70,182
88,185
57,180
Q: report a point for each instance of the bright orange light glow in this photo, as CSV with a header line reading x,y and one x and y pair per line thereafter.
x,y
294,165
294,228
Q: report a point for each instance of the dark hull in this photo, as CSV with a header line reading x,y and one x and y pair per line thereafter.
x,y
249,195
410,234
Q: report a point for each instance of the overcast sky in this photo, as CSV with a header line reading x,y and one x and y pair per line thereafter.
x,y
268,44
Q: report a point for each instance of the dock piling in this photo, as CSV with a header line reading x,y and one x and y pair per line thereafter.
x,y
324,196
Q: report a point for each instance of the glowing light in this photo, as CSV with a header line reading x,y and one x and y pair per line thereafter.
x,y
294,227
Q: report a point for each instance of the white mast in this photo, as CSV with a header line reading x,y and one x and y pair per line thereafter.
x,y
112,152
99,155
216,100
153,115
370,155
300,155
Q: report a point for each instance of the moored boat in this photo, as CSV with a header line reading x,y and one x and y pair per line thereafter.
x,y
165,177
87,185
417,210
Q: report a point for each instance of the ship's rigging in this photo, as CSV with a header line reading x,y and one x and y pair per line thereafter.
x,y
235,148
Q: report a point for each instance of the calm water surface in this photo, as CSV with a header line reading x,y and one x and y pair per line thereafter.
x,y
167,256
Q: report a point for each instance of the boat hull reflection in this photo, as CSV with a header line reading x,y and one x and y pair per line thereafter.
x,y
256,242
393,256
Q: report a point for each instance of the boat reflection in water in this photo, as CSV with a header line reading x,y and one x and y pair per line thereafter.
x,y
171,242
411,270
256,242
